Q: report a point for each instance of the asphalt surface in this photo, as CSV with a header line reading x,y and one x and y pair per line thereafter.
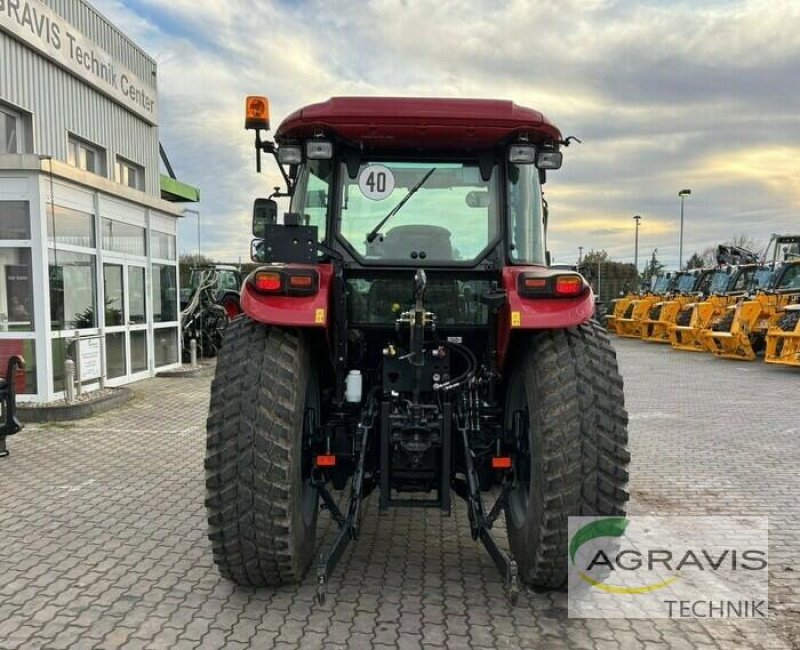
x,y
103,531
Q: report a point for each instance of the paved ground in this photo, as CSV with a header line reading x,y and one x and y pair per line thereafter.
x,y
102,531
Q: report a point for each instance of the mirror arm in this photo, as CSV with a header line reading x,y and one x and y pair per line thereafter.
x,y
267,146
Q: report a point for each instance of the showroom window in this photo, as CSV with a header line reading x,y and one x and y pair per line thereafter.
x,y
163,245
15,220
16,269
129,174
16,290
165,294
71,227
72,290
123,238
85,155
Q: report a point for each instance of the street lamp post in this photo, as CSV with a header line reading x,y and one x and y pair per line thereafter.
x,y
197,214
580,255
637,218
683,194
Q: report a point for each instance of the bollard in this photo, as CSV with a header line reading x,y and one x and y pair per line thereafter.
x,y
193,352
69,380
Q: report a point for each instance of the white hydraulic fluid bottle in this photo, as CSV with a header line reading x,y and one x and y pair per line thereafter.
x,y
353,386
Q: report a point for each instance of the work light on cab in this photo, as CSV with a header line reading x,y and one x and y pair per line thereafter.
x,y
522,154
548,159
290,155
319,149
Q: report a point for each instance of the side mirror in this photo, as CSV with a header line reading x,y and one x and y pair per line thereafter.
x,y
265,213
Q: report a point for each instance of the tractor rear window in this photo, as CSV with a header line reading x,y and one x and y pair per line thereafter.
x,y
380,301
419,212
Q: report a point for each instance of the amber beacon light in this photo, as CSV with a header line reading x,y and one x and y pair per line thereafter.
x,y
256,112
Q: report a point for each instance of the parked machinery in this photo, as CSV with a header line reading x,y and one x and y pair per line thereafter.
x,y
618,308
741,332
630,324
736,267
208,304
662,315
687,331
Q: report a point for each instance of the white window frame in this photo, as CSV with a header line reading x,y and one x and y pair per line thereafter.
x,y
19,130
124,169
78,151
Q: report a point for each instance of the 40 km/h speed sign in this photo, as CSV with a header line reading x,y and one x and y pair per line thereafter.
x,y
376,182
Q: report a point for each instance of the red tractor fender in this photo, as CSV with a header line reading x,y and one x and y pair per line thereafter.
x,y
522,313
294,311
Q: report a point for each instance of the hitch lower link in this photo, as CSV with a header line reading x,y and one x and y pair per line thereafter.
x,y
481,523
350,523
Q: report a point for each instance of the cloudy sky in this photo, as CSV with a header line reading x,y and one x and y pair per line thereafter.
x,y
664,95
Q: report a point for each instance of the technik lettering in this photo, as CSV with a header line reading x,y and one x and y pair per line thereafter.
x,y
41,26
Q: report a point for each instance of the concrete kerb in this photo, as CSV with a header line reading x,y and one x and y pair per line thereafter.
x,y
33,413
202,370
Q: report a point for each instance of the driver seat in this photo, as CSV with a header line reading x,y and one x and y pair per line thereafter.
x,y
433,241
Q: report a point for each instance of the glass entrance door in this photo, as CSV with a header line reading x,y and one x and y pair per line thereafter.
x,y
125,322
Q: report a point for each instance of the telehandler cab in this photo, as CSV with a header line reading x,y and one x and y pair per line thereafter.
x,y
406,336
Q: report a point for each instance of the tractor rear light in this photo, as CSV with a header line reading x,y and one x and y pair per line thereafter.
x,y
290,155
568,285
552,286
325,460
301,281
319,149
532,286
535,283
286,282
501,462
267,282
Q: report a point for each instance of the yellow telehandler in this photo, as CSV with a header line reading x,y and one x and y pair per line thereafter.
x,y
687,332
691,286
741,332
630,324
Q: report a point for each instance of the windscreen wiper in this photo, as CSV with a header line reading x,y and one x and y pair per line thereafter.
x,y
374,232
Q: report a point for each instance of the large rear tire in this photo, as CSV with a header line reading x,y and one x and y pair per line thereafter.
x,y
262,509
572,456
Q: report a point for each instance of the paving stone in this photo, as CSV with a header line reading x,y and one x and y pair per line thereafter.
x,y
125,559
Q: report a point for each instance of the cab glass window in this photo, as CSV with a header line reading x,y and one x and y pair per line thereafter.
x,y
419,212
525,215
311,194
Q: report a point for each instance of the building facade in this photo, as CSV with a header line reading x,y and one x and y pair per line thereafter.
x,y
88,250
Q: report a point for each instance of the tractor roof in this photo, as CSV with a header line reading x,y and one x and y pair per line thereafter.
x,y
420,123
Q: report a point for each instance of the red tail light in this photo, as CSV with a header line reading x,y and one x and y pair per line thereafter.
x,y
568,285
501,462
325,460
563,285
267,282
286,282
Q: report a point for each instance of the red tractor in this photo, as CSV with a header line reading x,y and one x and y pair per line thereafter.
x,y
405,334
